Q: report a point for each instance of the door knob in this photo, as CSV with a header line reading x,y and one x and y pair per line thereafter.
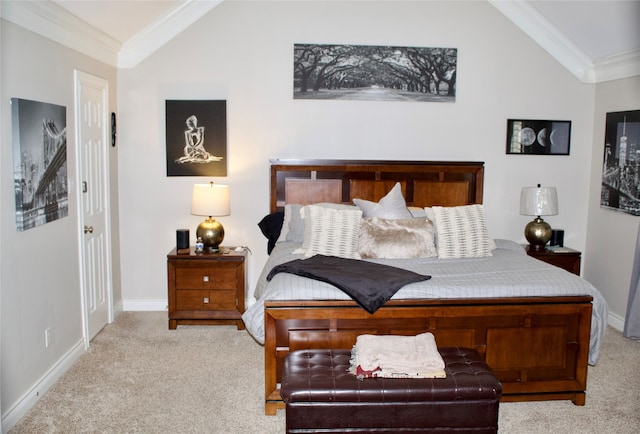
x,y
88,229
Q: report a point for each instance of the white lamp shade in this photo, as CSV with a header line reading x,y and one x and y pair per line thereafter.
x,y
539,201
210,200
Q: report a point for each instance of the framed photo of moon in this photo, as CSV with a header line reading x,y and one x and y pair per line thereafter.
x,y
538,137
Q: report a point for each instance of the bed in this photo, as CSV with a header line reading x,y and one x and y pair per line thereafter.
x,y
537,326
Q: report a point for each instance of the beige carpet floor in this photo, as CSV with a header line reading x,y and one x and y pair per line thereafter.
x,y
139,377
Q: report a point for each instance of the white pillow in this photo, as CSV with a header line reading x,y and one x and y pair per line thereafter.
x,y
330,231
396,238
392,206
293,222
462,232
292,225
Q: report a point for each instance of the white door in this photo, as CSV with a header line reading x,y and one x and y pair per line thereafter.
x,y
92,143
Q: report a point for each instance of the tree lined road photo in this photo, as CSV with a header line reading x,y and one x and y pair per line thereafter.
x,y
374,73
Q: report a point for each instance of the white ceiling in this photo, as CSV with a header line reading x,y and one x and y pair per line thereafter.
x,y
596,40
598,28
121,19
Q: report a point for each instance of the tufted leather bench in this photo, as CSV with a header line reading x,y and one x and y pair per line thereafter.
x,y
321,396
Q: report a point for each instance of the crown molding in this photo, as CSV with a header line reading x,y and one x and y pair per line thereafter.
x,y
623,65
52,21
545,34
530,21
154,36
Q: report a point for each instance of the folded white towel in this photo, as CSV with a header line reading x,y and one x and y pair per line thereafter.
x,y
410,355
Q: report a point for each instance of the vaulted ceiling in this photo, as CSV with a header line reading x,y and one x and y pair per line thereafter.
x,y
595,40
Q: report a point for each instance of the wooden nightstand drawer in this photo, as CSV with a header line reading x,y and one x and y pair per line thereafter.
x,y
206,288
205,278
220,299
569,259
189,299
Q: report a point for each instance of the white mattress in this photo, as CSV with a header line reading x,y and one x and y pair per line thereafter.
x,y
509,272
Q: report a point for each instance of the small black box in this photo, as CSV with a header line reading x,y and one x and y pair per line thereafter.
x,y
557,238
182,238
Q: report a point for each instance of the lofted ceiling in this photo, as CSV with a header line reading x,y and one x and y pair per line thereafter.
x,y
595,40
122,19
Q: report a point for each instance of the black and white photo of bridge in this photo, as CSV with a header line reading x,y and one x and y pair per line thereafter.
x,y
39,133
621,166
382,73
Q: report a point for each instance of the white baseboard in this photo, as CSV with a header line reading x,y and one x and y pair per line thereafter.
x,y
616,321
145,305
29,399
117,308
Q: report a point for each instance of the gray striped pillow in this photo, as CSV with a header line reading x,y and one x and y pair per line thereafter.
x,y
462,232
332,232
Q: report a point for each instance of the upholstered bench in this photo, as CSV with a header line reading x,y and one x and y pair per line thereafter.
x,y
321,396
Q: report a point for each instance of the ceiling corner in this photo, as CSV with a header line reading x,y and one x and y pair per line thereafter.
x,y
52,21
618,66
159,33
538,28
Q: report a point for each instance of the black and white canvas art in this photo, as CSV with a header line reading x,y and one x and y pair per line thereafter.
x,y
39,135
621,163
379,73
196,137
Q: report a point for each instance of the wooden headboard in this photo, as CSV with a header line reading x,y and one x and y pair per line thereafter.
x,y
424,183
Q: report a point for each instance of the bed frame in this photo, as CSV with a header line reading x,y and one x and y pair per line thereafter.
x,y
537,346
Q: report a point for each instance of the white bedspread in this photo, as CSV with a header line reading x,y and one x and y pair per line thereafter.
x,y
508,273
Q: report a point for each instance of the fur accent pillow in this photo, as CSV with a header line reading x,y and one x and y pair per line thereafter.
x,y
396,238
392,206
331,231
462,232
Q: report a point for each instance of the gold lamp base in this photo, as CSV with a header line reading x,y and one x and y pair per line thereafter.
x,y
212,234
538,233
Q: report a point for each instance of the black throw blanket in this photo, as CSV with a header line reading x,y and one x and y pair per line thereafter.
x,y
368,283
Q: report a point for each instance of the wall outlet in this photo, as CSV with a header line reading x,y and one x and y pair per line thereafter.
x,y
47,337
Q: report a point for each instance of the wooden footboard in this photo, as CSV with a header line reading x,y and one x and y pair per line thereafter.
x,y
537,346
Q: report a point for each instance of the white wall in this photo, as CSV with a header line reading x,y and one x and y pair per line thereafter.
x,y
243,52
611,235
40,284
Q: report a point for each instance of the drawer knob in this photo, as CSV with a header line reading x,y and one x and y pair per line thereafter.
x,y
205,300
205,278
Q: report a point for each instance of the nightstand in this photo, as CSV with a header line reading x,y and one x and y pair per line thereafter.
x,y
569,259
206,288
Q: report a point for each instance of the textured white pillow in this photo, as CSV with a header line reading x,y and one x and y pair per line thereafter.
x,y
462,232
293,221
396,238
330,231
392,206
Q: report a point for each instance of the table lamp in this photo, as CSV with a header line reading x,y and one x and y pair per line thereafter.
x,y
538,201
211,200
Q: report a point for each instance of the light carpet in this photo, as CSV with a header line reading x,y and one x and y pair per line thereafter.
x,y
140,377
